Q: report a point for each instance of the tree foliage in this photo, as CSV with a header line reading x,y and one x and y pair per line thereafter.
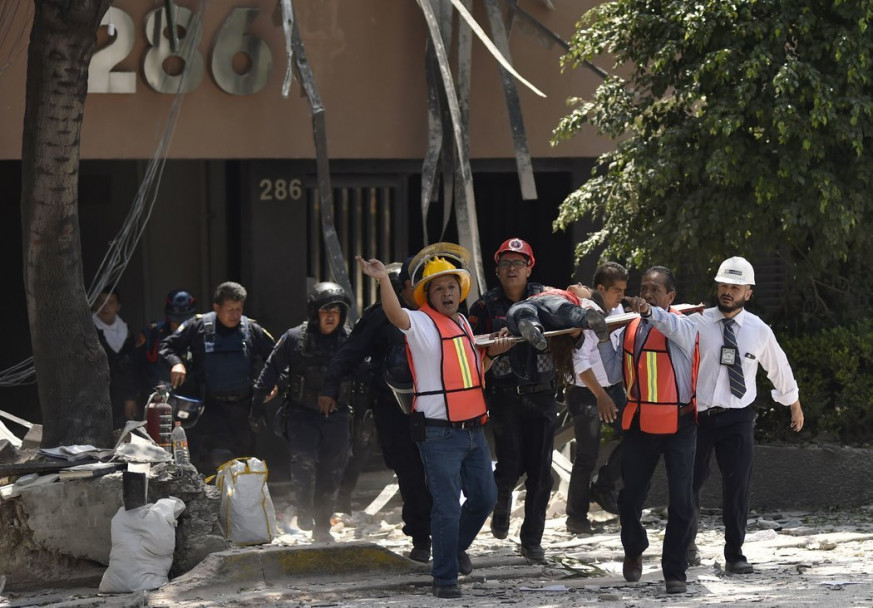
x,y
743,127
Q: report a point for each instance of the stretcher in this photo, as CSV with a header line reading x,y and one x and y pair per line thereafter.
x,y
613,322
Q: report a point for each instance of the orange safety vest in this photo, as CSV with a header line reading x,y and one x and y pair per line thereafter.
x,y
651,383
460,369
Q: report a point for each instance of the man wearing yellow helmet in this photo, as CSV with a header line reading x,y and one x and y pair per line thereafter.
x,y
448,410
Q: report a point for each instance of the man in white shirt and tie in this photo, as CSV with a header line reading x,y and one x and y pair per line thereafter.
x,y
733,343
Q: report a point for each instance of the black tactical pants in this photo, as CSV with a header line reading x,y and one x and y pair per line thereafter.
x,y
402,456
582,404
524,437
221,433
319,449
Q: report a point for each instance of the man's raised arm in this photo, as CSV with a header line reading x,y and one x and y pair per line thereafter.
x,y
390,304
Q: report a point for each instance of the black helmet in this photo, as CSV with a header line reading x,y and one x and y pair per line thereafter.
x,y
325,294
180,306
186,410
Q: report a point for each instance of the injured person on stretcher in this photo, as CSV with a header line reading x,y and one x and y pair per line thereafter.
x,y
557,309
570,311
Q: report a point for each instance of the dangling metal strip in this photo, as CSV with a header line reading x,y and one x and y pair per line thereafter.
x,y
464,56
465,207
434,136
325,189
465,14
448,168
523,162
170,11
447,164
288,28
550,35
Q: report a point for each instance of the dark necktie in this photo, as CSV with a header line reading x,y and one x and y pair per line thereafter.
x,y
735,371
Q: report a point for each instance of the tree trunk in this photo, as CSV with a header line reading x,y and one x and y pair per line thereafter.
x,y
72,373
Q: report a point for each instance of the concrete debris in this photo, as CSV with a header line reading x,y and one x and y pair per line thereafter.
x,y
800,558
33,439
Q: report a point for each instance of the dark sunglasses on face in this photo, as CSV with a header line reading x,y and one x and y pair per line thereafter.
x,y
517,264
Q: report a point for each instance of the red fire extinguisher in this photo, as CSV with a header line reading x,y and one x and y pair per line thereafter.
x,y
159,418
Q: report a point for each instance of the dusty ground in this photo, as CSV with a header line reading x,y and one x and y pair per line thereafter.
x,y
801,559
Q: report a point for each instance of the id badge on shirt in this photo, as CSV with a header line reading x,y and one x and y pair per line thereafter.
x,y
728,355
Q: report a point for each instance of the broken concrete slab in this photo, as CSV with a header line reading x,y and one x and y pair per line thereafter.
x,y
73,517
33,438
8,452
63,526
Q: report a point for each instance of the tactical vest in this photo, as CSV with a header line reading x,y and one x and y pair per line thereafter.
x,y
308,366
501,370
652,388
227,362
395,366
460,369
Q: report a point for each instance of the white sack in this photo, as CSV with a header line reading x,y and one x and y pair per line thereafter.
x,y
143,541
247,515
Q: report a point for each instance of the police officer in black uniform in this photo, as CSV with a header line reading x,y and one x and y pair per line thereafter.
x,y
179,306
521,402
226,348
374,336
318,438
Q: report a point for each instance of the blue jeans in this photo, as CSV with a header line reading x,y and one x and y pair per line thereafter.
x,y
456,460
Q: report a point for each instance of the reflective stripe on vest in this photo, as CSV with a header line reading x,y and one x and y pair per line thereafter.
x,y
460,369
651,383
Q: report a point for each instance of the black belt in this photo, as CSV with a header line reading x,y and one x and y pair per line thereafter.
x,y
575,387
525,389
714,411
472,423
230,397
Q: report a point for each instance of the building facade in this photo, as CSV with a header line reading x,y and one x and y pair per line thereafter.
x,y
238,198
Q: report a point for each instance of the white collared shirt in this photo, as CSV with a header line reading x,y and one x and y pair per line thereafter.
x,y
756,344
587,356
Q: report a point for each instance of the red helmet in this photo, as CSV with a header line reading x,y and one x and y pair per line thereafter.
x,y
515,245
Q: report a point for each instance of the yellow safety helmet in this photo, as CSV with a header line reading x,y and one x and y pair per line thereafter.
x,y
437,267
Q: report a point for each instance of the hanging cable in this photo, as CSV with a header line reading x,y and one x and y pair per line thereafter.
x,y
122,248
8,19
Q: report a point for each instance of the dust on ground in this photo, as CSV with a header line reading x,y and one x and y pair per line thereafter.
x,y
800,559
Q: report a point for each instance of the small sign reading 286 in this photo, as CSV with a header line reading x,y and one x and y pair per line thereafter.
x,y
280,189
232,39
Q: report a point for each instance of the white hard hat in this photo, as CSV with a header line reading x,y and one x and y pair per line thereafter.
x,y
736,271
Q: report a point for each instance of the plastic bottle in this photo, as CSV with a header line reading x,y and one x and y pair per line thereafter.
x,y
159,420
180,445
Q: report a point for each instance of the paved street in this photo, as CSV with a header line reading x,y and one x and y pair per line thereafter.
x,y
801,559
